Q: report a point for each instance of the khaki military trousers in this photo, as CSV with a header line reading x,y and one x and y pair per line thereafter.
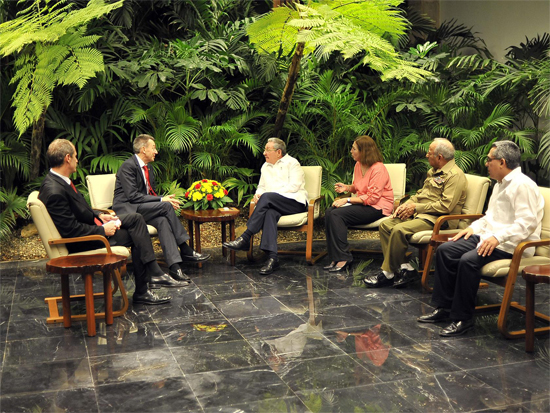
x,y
394,237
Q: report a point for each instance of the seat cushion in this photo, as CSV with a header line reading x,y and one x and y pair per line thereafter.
x,y
500,268
294,220
372,225
424,237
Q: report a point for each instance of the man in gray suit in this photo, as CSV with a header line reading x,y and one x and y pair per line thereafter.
x,y
135,191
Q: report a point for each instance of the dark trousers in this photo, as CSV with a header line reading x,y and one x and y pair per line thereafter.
x,y
270,207
133,233
337,221
457,275
171,232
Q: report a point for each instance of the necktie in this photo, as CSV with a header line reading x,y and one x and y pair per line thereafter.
x,y
149,186
97,221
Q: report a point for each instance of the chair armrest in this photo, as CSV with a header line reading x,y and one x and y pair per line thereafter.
x,y
518,252
86,238
444,218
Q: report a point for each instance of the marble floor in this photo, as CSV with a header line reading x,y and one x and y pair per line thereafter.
x,y
299,340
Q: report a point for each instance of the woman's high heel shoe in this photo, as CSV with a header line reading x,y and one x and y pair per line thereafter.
x,y
329,267
342,268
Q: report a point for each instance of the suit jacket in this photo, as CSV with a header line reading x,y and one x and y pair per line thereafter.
x,y
130,188
70,212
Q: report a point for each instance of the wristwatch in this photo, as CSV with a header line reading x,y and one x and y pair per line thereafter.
x,y
349,200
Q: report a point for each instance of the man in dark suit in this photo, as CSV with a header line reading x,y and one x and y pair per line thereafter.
x,y
135,191
73,217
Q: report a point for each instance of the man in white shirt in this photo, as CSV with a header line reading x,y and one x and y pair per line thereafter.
x,y
281,191
514,215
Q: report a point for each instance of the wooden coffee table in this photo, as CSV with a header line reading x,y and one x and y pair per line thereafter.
x,y
86,265
221,215
533,274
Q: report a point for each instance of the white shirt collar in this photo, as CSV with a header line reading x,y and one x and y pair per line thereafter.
x,y
141,163
66,179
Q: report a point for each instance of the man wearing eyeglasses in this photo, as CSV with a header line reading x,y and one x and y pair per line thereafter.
x,y
281,191
443,193
514,215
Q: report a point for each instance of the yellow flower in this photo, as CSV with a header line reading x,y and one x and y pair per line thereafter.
x,y
219,194
197,196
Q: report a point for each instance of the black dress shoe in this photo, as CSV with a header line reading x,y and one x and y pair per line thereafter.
x,y
271,265
342,268
238,245
166,281
457,328
405,277
377,281
330,266
149,298
195,257
436,316
179,275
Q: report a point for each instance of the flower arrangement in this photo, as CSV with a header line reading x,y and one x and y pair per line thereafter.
x,y
205,194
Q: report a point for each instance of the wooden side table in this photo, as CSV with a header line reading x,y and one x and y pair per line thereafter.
x,y
221,215
86,265
533,274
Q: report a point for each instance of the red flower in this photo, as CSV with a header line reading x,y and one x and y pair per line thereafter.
x,y
187,194
205,180
215,183
225,191
198,186
209,197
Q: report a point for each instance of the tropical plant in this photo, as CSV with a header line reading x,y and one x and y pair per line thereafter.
x,y
13,206
353,28
52,49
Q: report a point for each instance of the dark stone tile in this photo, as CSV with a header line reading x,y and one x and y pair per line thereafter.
x,y
251,307
361,296
186,334
217,275
28,307
342,317
39,328
268,326
371,398
458,391
41,350
326,373
238,386
320,299
326,280
174,312
519,381
304,342
76,400
124,337
167,395
358,340
419,332
216,356
151,365
390,311
232,291
470,353
44,377
275,405
282,282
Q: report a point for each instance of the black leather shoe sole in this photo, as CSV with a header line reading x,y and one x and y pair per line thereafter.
x,y
191,258
269,269
236,248
435,317
385,282
175,284
457,328
178,277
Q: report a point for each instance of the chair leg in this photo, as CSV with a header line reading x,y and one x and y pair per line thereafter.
x,y
529,316
426,269
250,252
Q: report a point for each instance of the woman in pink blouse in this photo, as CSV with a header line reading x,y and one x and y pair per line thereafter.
x,y
371,198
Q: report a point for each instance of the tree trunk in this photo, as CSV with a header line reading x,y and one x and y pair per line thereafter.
x,y
289,89
36,145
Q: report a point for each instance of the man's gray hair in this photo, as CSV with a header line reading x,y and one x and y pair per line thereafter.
x,y
58,149
508,151
278,144
445,148
141,141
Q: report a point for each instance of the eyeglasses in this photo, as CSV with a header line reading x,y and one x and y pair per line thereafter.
x,y
489,159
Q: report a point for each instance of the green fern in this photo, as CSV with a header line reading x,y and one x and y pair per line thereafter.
x,y
13,206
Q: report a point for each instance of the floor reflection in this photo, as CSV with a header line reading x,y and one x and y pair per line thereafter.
x,y
299,340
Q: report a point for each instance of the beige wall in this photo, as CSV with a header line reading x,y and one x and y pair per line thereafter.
x,y
501,23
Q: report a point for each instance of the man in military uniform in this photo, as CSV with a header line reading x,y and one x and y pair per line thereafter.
x,y
443,193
